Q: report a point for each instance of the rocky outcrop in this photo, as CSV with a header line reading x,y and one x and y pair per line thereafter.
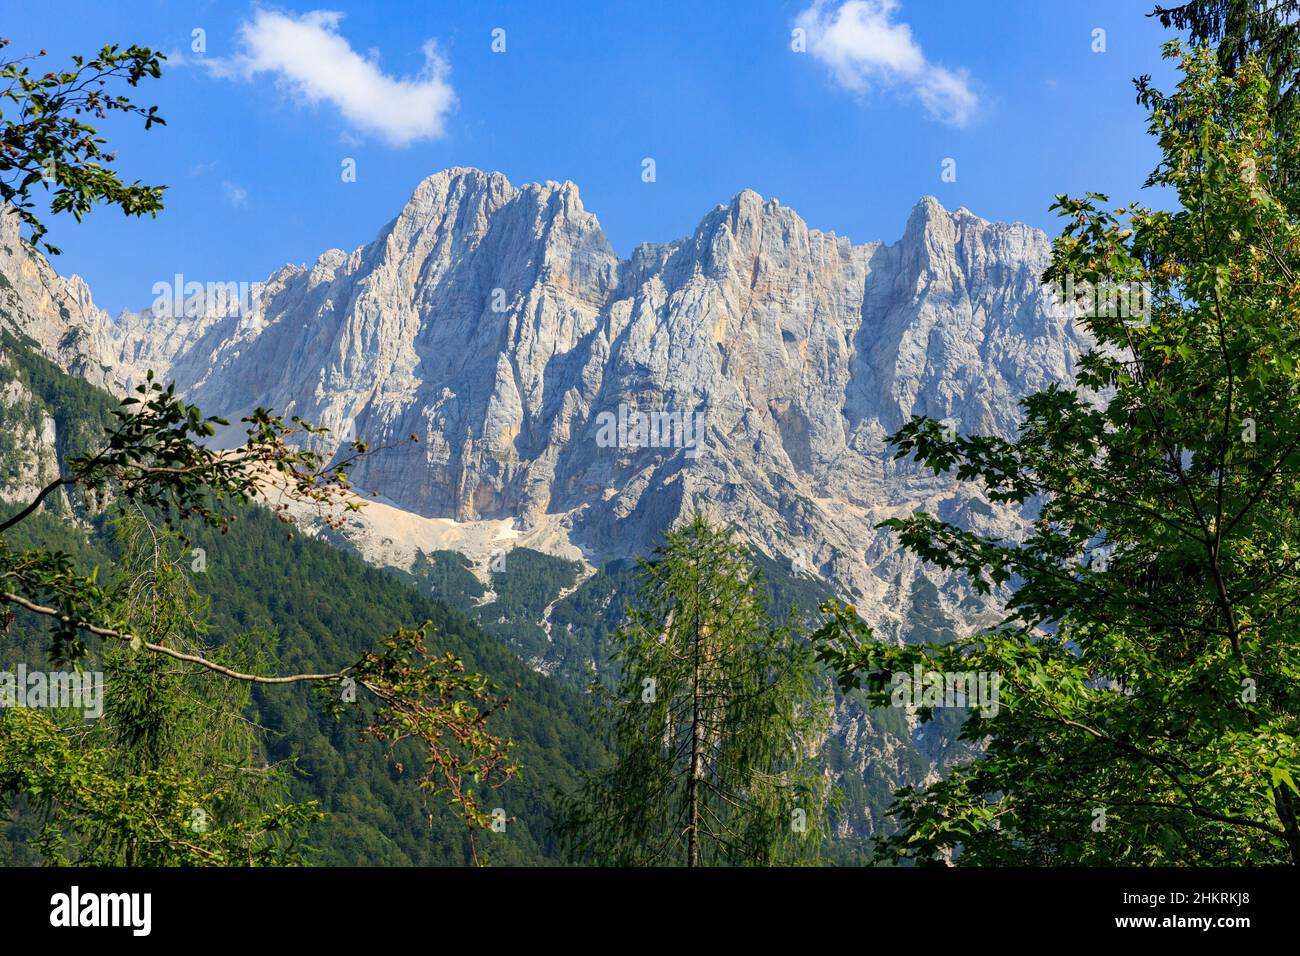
x,y
575,402
498,325
28,439
57,314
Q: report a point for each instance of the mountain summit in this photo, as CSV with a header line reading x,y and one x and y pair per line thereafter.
x,y
541,372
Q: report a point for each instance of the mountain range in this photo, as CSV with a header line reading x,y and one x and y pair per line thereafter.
x,y
497,325
570,405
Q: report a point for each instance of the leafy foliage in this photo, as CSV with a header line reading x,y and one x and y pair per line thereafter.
x,y
269,602
419,692
133,818
1149,658
45,137
153,461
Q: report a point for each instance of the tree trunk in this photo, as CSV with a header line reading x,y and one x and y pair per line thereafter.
x,y
1286,811
694,785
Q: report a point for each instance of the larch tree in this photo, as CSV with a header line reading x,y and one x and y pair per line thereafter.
x,y
715,722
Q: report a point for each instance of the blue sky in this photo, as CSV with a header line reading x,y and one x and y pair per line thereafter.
x,y
850,132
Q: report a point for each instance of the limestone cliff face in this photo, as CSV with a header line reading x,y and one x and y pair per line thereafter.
x,y
56,313
497,324
28,439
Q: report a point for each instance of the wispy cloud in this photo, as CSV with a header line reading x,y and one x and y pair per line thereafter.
x,y
310,56
236,194
863,46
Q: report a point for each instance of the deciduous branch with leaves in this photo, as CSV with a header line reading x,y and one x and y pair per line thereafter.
x,y
158,462
1150,654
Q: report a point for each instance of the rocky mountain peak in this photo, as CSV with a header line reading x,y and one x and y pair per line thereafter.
x,y
496,323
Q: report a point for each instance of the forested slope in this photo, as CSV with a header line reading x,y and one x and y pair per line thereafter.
x,y
315,607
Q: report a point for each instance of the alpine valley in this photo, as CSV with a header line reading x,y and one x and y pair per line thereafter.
x,y
569,406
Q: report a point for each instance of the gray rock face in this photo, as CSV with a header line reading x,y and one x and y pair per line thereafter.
x,y
28,439
565,397
497,324
56,313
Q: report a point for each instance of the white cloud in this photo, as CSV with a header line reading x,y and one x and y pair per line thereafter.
x,y
319,65
863,46
236,194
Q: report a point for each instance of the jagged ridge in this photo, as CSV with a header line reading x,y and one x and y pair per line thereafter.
x,y
497,324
